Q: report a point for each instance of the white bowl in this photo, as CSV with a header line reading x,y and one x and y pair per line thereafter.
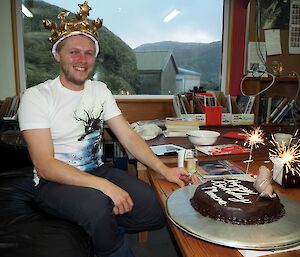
x,y
203,137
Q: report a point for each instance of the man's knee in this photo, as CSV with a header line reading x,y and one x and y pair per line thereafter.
x,y
95,207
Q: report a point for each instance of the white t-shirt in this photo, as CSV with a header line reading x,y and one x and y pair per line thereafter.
x,y
75,119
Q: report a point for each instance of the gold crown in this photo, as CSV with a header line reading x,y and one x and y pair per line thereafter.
x,y
78,24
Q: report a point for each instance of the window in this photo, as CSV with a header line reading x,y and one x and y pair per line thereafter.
x,y
143,50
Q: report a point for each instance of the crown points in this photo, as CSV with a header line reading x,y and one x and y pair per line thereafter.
x,y
80,23
84,9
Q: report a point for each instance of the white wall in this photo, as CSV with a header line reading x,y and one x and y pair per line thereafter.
x,y
7,72
184,83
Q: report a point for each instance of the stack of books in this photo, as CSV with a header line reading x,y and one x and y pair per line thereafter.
x,y
177,127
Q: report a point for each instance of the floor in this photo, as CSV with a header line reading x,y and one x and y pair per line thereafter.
x,y
159,244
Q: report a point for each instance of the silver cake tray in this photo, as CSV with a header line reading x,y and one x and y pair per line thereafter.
x,y
281,234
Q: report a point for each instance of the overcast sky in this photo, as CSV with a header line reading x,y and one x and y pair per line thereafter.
x,y
141,21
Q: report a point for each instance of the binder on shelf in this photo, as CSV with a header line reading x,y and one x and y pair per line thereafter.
x,y
198,106
176,105
229,104
190,99
207,99
239,118
269,110
234,106
249,105
242,102
279,107
181,104
263,107
222,100
185,104
245,103
283,113
214,109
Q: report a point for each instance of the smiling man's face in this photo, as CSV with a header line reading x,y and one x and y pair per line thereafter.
x,y
76,56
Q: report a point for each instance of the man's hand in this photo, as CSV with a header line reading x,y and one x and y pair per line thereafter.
x,y
179,176
122,200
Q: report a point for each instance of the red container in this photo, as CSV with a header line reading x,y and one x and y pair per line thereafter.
x,y
213,115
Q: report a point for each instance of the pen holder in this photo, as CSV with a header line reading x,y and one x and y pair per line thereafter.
x,y
213,115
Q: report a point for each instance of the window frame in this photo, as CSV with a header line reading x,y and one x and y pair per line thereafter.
x,y
226,50
18,46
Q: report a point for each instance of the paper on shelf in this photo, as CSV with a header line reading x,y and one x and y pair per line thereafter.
x,y
272,38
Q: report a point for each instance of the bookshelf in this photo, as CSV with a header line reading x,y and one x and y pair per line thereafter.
x,y
283,86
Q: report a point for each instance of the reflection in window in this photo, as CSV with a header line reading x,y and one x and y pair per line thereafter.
x,y
146,47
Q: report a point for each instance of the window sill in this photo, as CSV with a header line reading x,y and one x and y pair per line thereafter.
x,y
135,97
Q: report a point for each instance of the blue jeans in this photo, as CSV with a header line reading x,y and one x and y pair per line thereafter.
x,y
92,210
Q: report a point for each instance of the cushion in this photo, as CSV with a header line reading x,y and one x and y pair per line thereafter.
x,y
27,231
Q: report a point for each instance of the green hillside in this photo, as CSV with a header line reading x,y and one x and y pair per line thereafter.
x,y
204,58
40,64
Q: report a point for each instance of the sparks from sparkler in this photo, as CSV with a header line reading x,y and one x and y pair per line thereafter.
x,y
254,137
288,154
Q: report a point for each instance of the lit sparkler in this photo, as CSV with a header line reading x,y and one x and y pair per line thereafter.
x,y
253,139
288,155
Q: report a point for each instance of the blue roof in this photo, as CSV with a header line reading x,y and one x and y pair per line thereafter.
x,y
187,72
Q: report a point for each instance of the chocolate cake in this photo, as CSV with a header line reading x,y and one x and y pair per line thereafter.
x,y
235,201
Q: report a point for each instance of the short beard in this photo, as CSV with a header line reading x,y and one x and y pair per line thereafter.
x,y
72,79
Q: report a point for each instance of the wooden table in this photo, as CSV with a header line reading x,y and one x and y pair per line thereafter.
x,y
191,246
260,153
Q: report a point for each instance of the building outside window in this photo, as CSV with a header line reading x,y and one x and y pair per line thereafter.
x,y
143,48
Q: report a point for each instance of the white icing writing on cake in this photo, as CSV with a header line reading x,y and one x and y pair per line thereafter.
x,y
211,192
231,187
